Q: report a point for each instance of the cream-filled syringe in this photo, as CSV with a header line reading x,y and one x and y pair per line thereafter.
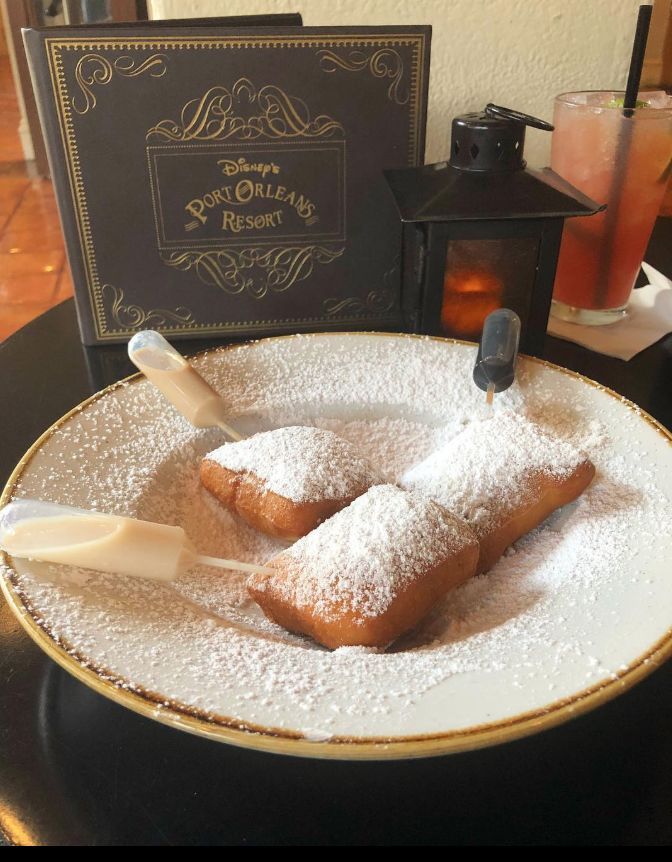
x,y
52,533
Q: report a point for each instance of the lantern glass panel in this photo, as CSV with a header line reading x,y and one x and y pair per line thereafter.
x,y
482,275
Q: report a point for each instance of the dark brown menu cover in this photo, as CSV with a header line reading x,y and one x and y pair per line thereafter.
x,y
230,181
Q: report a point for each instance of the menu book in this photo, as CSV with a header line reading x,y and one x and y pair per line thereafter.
x,y
218,180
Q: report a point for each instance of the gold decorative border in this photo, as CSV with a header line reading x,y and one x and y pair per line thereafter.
x,y
383,63
216,116
94,69
232,270
377,301
135,317
280,741
54,46
374,302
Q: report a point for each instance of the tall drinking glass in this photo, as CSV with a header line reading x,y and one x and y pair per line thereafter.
x,y
623,162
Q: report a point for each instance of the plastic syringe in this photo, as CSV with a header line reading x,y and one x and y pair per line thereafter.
x,y
52,533
495,367
179,382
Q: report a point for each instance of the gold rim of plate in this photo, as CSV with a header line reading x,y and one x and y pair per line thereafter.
x,y
281,741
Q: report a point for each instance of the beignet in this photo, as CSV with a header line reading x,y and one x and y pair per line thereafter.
x,y
287,481
371,572
504,476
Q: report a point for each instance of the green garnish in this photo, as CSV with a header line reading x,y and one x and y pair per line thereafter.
x,y
619,103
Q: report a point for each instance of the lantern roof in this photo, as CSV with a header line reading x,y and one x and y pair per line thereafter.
x,y
443,193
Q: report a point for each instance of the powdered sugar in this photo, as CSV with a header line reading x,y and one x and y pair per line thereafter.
x,y
301,463
483,474
403,442
366,554
539,627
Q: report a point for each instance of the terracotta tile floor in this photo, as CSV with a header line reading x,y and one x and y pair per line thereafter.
x,y
34,273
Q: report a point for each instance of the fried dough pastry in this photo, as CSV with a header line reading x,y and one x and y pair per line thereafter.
x,y
371,572
287,481
503,476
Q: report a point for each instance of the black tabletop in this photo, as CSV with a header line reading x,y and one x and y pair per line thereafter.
x,y
76,768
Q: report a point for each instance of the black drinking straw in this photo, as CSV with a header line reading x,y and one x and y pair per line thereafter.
x,y
637,60
623,148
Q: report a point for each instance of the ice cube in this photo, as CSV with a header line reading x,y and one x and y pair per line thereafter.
x,y
656,99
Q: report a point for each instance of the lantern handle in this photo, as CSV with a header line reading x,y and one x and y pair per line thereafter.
x,y
509,114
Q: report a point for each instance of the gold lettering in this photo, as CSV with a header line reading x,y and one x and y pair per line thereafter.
x,y
229,168
195,208
244,191
236,223
241,166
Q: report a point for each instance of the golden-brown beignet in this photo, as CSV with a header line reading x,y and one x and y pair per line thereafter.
x,y
371,572
504,476
286,482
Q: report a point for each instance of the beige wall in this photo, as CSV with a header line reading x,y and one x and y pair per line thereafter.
x,y
515,52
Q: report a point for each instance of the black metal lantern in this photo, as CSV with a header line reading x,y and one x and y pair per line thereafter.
x,y
482,231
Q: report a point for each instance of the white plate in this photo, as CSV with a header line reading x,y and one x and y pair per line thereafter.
x,y
578,612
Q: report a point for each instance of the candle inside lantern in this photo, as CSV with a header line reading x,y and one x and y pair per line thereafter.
x,y
484,275
469,296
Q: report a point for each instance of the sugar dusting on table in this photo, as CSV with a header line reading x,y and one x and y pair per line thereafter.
x,y
204,645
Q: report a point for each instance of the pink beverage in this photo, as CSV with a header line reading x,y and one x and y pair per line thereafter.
x,y
624,163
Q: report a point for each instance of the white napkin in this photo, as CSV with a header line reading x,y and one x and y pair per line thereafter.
x,y
649,318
